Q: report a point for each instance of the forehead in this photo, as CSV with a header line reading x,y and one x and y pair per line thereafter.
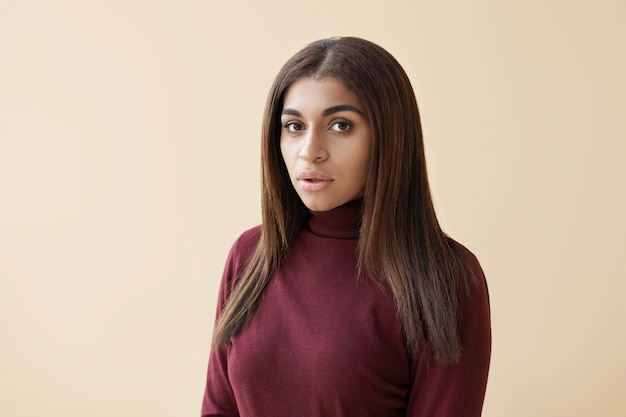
x,y
311,93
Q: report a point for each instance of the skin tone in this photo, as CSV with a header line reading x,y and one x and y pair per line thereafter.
x,y
325,142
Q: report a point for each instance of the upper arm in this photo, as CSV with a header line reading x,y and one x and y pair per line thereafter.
x,y
458,390
219,398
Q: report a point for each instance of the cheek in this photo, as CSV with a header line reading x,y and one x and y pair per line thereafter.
x,y
358,170
281,146
284,151
364,170
287,154
364,162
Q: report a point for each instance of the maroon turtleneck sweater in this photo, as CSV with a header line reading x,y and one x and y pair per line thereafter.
x,y
325,343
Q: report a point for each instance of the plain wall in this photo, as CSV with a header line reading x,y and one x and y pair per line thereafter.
x,y
129,149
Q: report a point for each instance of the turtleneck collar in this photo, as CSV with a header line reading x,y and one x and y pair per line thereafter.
x,y
342,222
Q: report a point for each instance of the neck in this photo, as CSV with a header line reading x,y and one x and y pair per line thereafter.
x,y
342,222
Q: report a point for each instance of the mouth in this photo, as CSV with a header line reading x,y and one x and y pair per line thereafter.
x,y
312,180
313,176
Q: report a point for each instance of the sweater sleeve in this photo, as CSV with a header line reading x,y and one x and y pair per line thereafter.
x,y
219,399
458,390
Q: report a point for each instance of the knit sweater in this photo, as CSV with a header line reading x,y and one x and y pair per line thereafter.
x,y
325,342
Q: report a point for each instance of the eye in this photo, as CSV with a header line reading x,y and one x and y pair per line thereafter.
x,y
341,126
293,126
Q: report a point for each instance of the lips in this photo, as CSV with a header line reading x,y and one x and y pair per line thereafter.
x,y
313,180
312,175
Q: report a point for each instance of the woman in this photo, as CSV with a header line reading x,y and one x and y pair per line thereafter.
x,y
348,300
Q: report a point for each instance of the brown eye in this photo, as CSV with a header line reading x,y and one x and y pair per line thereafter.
x,y
341,126
293,127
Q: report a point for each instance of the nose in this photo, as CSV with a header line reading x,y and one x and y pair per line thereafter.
x,y
313,149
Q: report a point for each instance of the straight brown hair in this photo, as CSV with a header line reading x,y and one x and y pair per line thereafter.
x,y
401,242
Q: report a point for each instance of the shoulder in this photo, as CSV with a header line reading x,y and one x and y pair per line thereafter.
x,y
467,260
462,250
243,247
472,274
247,241
238,257
475,304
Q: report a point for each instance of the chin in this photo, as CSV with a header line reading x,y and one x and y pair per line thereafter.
x,y
315,205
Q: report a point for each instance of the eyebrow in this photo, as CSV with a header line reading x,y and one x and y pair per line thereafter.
x,y
327,112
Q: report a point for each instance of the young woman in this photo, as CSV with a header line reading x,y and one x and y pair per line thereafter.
x,y
349,299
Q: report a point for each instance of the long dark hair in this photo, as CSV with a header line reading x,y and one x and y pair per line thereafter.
x,y
401,242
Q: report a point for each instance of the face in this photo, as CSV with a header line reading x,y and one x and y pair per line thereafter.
x,y
325,142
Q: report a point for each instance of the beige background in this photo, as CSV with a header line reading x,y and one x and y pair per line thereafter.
x,y
129,163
